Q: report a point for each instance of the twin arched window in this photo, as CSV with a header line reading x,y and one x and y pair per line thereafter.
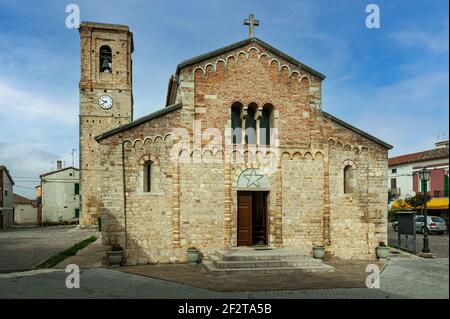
x,y
236,123
105,59
257,125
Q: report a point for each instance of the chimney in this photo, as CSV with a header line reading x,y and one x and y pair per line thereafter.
x,y
58,165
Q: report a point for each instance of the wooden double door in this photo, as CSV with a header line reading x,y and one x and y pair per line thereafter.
x,y
252,218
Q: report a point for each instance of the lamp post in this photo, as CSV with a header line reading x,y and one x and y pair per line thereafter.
x,y
424,176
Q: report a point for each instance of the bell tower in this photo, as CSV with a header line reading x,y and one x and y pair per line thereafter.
x,y
106,102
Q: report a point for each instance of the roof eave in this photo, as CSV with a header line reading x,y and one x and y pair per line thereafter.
x,y
8,174
154,115
357,130
58,171
233,46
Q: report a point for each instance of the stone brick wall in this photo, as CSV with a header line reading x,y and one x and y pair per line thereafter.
x,y
195,204
302,202
202,206
93,119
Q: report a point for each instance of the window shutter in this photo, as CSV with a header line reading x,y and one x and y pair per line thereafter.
x,y
446,185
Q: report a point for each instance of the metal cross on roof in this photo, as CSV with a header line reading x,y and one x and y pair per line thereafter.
x,y
251,22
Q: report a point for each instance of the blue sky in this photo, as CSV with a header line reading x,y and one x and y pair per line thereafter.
x,y
390,82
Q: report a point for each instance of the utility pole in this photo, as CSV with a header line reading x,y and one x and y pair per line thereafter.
x,y
73,157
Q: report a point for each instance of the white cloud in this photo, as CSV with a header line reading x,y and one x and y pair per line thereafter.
x,y
406,113
421,91
435,42
32,105
25,164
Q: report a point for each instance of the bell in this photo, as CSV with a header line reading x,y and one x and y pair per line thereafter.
x,y
105,66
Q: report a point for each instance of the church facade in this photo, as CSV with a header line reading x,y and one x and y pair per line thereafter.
x,y
241,155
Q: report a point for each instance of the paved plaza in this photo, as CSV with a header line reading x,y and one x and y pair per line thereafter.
x,y
24,248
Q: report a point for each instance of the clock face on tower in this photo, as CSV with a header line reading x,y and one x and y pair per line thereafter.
x,y
105,102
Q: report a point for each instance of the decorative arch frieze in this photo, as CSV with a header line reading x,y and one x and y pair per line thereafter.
x,y
357,149
148,140
261,56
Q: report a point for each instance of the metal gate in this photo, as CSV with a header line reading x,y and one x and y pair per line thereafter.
x,y
407,231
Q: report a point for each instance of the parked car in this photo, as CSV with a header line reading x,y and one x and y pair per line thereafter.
x,y
435,224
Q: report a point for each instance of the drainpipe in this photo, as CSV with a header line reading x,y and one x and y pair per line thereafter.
x,y
124,193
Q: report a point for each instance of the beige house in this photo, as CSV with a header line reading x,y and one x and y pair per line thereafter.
x,y
60,195
242,155
25,211
6,198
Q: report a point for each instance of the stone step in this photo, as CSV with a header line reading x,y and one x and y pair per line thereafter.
x,y
211,268
227,264
260,255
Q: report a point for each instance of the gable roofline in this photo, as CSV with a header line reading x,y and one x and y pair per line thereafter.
x,y
3,168
19,199
357,130
418,157
236,45
58,171
139,121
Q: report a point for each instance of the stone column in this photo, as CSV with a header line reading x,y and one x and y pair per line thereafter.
x,y
176,205
258,115
243,118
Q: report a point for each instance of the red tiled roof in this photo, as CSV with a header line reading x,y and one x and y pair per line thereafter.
x,y
21,200
437,153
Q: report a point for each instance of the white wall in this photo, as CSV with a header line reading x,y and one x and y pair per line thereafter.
x,y
25,214
404,179
58,196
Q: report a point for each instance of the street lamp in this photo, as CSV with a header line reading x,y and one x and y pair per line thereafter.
x,y
424,176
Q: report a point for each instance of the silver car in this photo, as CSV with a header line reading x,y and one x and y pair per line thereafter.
x,y
435,224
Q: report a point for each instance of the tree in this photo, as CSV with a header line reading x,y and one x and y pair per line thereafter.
x,y
417,200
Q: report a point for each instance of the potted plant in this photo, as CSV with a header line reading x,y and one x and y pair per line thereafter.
x,y
319,251
382,251
193,255
115,255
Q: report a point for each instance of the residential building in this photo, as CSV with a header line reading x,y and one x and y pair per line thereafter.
x,y
25,211
403,178
6,198
60,195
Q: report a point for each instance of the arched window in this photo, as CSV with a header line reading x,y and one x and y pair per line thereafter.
x,y
105,59
265,125
349,179
250,124
236,123
148,174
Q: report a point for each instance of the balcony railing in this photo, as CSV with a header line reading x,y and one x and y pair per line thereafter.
x,y
440,193
395,191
